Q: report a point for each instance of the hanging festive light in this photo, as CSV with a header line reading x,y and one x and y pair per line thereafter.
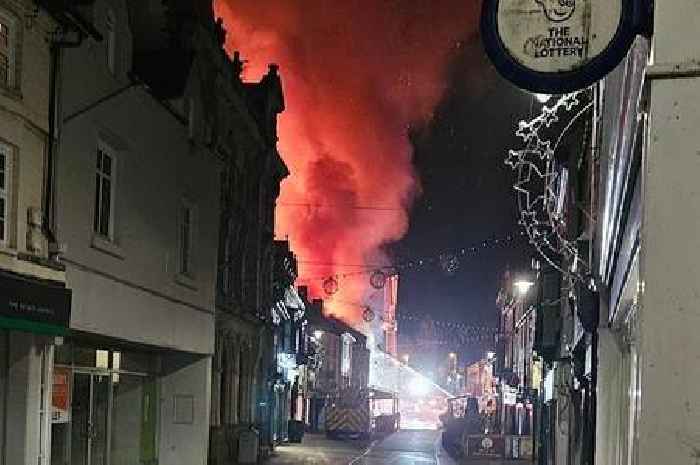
x,y
541,183
448,261
330,286
377,279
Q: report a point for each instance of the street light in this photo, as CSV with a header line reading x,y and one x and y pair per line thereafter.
x,y
405,358
522,286
453,355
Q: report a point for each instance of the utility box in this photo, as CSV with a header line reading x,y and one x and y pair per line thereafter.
x,y
248,447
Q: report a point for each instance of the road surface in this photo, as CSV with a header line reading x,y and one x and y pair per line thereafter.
x,y
403,448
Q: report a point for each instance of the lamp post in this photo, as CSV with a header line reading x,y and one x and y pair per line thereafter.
x,y
518,349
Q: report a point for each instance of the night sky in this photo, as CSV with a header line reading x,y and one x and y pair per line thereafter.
x,y
356,75
466,197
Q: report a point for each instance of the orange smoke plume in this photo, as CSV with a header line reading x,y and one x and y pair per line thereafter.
x,y
357,74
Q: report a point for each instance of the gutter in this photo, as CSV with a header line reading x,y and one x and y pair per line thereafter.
x,y
84,28
56,47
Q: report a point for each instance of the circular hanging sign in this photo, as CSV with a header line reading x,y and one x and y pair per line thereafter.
x,y
330,286
557,46
368,315
378,279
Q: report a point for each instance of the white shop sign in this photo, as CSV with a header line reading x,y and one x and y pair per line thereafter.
x,y
554,46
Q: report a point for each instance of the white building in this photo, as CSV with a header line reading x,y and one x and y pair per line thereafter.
x,y
34,304
649,359
137,215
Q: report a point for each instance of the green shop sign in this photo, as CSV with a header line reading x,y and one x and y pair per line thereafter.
x,y
33,305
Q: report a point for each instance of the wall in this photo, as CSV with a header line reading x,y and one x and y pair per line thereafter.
x,y
23,398
670,264
130,288
24,127
184,442
608,446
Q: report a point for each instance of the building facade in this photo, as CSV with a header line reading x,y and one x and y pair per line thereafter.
x,y
35,304
341,361
615,326
136,217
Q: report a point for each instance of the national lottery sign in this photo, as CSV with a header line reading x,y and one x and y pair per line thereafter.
x,y
556,46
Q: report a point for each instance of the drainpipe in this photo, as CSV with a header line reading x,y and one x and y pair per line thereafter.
x,y
56,47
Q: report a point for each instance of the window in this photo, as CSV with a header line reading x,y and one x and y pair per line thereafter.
x,y
347,342
8,44
186,225
104,193
110,40
5,52
4,193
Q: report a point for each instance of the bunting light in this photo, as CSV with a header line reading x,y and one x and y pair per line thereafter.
x,y
447,261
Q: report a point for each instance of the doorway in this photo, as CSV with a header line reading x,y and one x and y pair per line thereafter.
x,y
109,412
89,431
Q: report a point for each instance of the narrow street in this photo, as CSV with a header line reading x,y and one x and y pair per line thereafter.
x,y
402,448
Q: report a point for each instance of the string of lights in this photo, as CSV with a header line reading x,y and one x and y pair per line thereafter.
x,y
433,324
448,261
348,206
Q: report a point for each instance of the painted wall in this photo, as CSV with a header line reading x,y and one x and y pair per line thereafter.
x,y
22,424
130,287
670,264
24,129
185,394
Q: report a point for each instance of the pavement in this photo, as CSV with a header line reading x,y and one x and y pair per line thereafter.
x,y
402,448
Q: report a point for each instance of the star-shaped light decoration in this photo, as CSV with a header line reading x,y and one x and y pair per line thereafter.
x,y
537,185
549,115
515,158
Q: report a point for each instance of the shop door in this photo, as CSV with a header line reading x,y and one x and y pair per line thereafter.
x,y
90,412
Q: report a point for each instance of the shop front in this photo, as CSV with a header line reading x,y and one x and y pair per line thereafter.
x,y
104,406
33,313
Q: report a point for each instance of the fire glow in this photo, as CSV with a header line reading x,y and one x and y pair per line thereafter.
x,y
356,74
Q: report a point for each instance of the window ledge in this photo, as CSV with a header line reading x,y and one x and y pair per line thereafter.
x,y
7,250
186,281
107,246
10,92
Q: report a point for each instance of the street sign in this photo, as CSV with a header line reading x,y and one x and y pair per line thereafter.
x,y
557,46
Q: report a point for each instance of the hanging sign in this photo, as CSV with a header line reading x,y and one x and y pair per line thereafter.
x,y
557,46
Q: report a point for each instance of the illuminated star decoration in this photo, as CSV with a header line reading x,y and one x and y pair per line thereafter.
x,y
538,180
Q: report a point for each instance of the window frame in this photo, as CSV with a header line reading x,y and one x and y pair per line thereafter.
x,y
12,38
6,193
105,149
189,270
